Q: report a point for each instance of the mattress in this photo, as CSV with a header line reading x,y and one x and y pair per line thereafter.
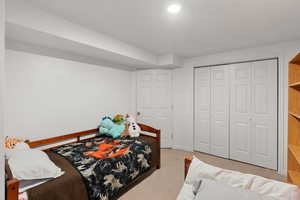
x,y
72,185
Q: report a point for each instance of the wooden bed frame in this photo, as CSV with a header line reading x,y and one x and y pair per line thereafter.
x,y
12,186
187,163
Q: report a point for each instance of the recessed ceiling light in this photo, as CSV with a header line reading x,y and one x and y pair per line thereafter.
x,y
174,8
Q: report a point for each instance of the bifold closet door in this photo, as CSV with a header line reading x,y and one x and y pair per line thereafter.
x,y
202,110
219,112
253,113
211,110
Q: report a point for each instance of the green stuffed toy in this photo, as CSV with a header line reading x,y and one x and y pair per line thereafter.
x,y
113,127
118,119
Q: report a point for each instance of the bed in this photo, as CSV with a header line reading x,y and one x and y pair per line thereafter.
x,y
75,185
203,180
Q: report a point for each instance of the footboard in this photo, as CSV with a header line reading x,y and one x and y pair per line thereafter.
x,y
187,163
156,132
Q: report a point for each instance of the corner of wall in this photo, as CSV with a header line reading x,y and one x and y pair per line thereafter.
x,y
133,109
2,27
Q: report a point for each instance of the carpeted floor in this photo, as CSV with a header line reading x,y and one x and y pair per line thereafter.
x,y
164,184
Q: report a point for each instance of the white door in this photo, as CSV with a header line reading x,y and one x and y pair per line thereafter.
x,y
154,102
253,113
264,115
219,126
202,110
240,112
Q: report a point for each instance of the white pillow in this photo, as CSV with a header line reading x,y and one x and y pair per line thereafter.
x,y
186,192
28,164
193,176
276,189
19,146
22,145
199,170
214,190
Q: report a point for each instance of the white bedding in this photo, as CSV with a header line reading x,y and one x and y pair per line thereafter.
x,y
214,190
266,187
23,196
29,164
27,184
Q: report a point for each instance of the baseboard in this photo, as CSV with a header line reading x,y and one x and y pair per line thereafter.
x,y
282,172
181,147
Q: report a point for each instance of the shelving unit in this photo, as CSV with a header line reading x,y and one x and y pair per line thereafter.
x,y
294,84
295,115
295,150
294,122
294,177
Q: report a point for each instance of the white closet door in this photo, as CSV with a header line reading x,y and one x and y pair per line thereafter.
x,y
202,110
253,115
219,127
240,112
264,114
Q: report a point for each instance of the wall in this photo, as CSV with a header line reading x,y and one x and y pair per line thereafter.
x,y
46,96
183,92
1,97
183,109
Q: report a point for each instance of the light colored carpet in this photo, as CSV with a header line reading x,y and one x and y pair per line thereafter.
x,y
164,184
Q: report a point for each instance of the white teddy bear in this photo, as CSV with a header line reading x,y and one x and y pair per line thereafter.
x,y
133,128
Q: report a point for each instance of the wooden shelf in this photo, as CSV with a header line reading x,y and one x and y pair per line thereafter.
x,y
294,177
295,115
295,85
295,150
296,60
294,72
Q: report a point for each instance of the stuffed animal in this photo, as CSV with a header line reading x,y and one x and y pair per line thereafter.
x,y
10,143
108,127
133,128
118,119
125,132
105,125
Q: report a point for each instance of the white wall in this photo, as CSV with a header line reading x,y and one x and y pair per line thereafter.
x,y
183,91
46,96
183,109
1,97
